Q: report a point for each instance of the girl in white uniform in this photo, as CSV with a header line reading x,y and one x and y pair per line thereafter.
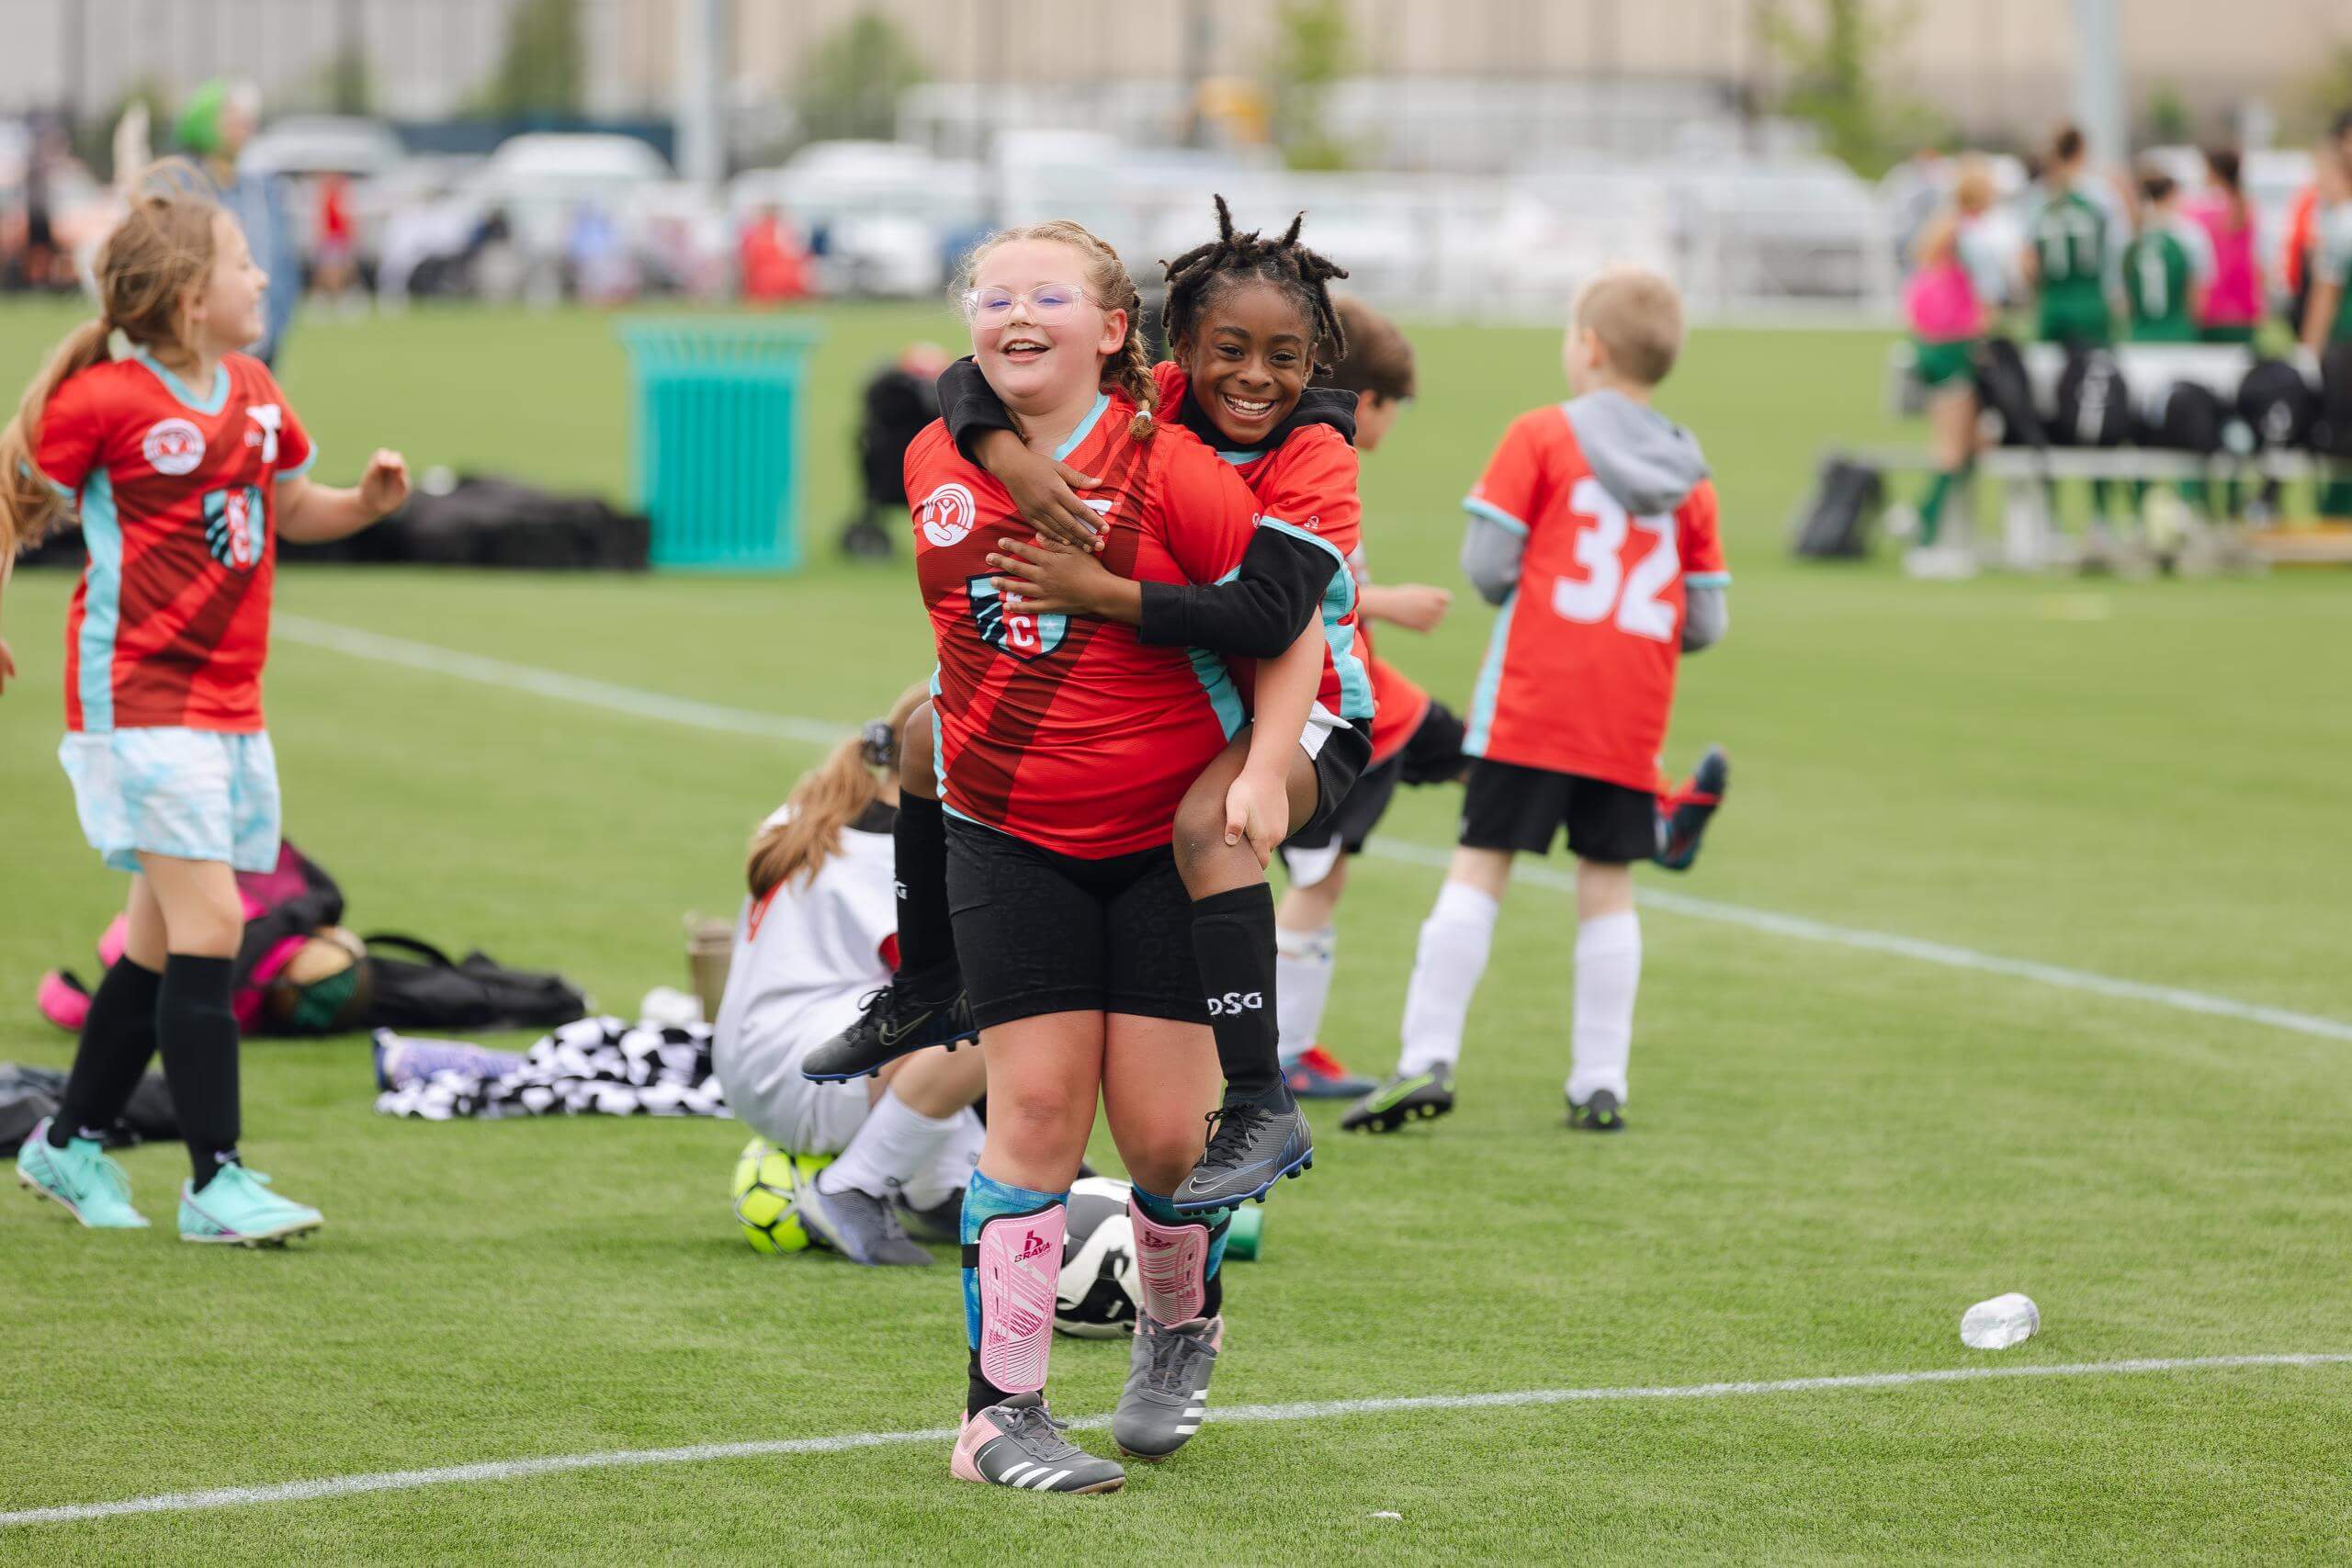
x,y
819,933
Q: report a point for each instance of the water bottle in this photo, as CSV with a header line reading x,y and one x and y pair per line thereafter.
x,y
2000,1323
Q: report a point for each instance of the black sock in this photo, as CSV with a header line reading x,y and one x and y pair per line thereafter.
x,y
197,1030
980,1392
1233,936
117,1041
919,842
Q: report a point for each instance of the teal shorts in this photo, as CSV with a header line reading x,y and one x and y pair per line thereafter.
x,y
191,794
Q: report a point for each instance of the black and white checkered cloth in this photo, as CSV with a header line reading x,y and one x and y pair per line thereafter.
x,y
597,1066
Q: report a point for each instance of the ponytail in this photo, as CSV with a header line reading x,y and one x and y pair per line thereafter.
x,y
796,839
30,505
828,798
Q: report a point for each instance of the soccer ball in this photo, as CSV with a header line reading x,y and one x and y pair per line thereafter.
x,y
767,1195
1095,1298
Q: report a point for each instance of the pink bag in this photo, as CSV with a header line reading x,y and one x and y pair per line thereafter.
x,y
1941,303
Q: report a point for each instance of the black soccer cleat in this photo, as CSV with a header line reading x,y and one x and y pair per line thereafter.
x,y
896,1021
1598,1113
1252,1147
1402,1098
1682,816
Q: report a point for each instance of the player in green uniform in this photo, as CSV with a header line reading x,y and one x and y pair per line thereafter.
x,y
2070,244
2327,313
2167,267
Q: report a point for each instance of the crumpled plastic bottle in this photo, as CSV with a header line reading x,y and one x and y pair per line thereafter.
x,y
1996,1325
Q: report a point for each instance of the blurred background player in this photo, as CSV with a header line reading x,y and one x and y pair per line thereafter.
x,y
2232,304
1947,318
1594,529
2326,335
818,932
2072,242
2169,265
1415,740
219,120
185,466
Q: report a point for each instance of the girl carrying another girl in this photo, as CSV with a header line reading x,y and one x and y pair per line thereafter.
x,y
1064,744
185,465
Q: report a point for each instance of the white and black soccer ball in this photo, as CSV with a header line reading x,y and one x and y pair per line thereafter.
x,y
1096,1296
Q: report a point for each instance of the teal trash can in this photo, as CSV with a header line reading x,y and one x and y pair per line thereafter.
x,y
717,463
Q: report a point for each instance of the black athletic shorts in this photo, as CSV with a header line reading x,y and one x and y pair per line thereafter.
x,y
1340,765
1038,933
1510,807
1434,755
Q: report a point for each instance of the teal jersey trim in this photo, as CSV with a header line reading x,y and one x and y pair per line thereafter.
x,y
1238,458
938,744
1707,579
1495,514
102,605
298,470
1085,426
1490,681
1216,682
1339,598
214,403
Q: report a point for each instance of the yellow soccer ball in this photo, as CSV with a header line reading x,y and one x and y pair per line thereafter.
x,y
767,1195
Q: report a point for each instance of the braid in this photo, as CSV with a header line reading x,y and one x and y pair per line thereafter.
x,y
1197,276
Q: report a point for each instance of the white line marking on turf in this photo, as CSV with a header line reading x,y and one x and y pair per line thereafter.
x,y
1311,1410
642,703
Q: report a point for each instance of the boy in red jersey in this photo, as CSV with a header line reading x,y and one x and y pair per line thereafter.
x,y
1064,745
1594,529
185,465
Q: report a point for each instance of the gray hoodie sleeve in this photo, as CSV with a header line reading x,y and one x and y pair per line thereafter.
x,y
1490,557
1706,615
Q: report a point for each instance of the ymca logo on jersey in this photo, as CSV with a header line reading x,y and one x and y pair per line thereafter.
x,y
173,447
268,417
947,514
234,526
1016,632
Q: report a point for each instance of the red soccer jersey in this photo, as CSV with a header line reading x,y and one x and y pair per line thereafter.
x,y
1066,731
178,500
1307,487
1579,672
1400,704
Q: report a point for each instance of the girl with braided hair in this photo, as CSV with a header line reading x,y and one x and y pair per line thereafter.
x,y
1249,321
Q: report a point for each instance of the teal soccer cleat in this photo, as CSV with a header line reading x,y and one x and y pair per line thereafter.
x,y
237,1208
79,1176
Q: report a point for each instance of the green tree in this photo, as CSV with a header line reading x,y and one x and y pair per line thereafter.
x,y
2170,119
2327,92
544,65
850,87
1312,50
1835,67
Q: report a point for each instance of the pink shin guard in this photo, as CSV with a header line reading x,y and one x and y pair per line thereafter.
x,y
1173,1263
1020,1262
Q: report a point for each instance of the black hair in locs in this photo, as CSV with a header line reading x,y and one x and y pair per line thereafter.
x,y
1202,273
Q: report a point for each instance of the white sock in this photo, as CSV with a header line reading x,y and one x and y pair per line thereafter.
x,y
1446,967
1302,986
952,1163
1608,971
893,1144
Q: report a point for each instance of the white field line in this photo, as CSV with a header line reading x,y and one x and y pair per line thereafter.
x,y
639,704
1310,1410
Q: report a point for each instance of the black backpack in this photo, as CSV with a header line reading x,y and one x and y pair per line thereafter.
x,y
2331,435
2094,404
2187,416
2280,405
2008,393
433,991
1833,523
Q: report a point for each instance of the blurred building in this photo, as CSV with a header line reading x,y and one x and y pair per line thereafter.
x,y
1610,73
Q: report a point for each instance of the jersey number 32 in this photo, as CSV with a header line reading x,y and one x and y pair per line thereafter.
x,y
1607,588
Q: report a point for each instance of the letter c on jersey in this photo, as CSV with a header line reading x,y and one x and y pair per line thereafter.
x,y
947,516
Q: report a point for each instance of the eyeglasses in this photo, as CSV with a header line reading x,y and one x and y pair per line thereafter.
x,y
1048,304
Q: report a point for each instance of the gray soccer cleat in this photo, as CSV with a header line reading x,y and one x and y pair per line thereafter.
x,y
1167,1395
1598,1113
1018,1443
860,1226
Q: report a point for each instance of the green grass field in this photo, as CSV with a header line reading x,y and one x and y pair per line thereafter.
x,y
1835,1150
